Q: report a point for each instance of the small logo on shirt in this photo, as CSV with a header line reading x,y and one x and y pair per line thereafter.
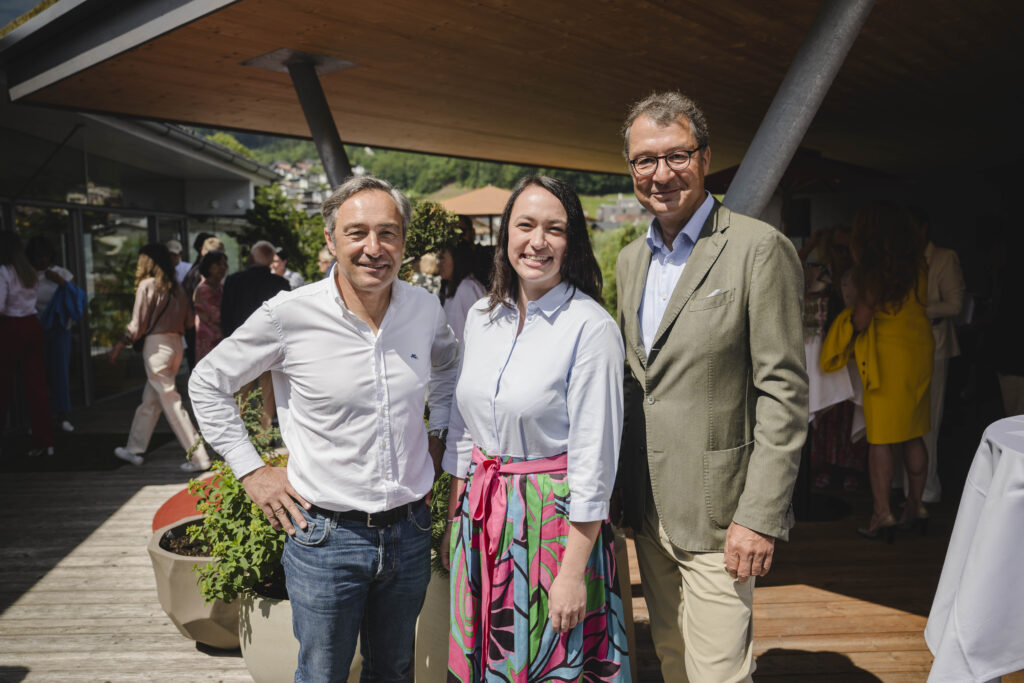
x,y
414,356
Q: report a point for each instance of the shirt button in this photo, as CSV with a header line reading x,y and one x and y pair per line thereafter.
x,y
650,400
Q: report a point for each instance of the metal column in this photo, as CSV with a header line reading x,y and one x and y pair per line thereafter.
x,y
320,121
797,101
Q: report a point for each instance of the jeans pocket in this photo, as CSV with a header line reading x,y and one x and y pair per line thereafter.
x,y
419,515
318,528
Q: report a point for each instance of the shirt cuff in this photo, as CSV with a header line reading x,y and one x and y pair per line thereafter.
x,y
243,459
584,511
450,463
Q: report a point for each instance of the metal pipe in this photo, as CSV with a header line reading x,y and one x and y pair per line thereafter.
x,y
797,101
320,121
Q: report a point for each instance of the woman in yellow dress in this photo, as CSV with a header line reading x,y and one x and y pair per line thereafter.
x,y
893,347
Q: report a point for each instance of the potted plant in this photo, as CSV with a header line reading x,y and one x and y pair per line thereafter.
x,y
214,623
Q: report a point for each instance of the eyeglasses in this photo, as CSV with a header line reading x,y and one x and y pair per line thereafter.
x,y
676,161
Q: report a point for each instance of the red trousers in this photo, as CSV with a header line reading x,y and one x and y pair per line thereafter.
x,y
21,345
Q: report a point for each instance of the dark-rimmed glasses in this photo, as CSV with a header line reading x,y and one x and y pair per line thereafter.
x,y
676,161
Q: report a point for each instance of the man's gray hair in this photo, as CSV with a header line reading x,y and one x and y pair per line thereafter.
x,y
665,108
355,185
262,253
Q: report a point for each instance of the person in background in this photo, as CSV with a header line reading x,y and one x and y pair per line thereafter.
x,y
827,264
324,260
56,338
244,292
945,301
893,345
193,277
279,266
459,288
532,450
160,315
425,274
181,266
354,357
206,301
21,340
206,244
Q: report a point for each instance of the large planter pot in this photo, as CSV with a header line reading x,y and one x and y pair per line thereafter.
x,y
432,631
214,624
269,647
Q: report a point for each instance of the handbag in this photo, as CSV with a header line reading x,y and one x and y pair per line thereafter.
x,y
141,341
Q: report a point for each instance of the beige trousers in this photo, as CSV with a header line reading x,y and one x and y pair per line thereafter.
x,y
161,356
701,619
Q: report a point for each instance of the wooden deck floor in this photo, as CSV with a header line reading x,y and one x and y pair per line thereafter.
x,y
78,601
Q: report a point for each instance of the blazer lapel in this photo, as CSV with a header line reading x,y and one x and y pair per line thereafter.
x,y
705,252
634,295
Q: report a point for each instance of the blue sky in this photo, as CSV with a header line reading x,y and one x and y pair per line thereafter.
x,y
12,9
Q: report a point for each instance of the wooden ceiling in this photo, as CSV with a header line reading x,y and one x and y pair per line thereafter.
x,y
547,83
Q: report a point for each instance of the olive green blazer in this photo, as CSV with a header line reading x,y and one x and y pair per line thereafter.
x,y
717,415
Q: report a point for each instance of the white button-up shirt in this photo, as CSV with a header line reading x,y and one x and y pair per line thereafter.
x,y
349,402
555,388
666,268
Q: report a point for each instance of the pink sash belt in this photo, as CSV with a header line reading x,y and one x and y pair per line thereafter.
x,y
488,502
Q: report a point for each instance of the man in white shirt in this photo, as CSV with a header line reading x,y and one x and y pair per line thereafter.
x,y
352,357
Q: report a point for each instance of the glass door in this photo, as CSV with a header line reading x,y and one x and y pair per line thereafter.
x,y
110,247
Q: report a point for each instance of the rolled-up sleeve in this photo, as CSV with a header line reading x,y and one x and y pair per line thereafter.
x,y
594,403
254,348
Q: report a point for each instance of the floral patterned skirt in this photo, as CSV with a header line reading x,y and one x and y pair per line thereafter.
x,y
520,645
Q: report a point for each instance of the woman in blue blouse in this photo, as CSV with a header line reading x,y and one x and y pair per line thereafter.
x,y
533,446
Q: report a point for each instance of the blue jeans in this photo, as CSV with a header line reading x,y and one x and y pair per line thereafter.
x,y
345,580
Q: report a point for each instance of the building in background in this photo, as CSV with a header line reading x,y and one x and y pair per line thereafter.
x,y
98,188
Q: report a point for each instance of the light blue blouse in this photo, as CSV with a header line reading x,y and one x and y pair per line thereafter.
x,y
554,388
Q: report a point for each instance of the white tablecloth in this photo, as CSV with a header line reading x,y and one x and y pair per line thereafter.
x,y
976,625
826,389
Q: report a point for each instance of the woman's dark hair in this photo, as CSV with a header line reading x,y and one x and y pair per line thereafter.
x,y
161,259
461,254
210,258
13,254
579,267
888,255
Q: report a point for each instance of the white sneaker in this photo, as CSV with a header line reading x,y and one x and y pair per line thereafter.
x,y
67,426
36,452
194,466
128,456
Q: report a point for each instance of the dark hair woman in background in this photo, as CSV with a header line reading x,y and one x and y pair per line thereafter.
x,y
891,280
206,301
459,287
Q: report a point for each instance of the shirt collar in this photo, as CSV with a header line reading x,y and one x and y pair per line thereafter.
x,y
690,231
554,299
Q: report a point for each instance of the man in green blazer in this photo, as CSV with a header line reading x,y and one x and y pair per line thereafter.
x,y
710,307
